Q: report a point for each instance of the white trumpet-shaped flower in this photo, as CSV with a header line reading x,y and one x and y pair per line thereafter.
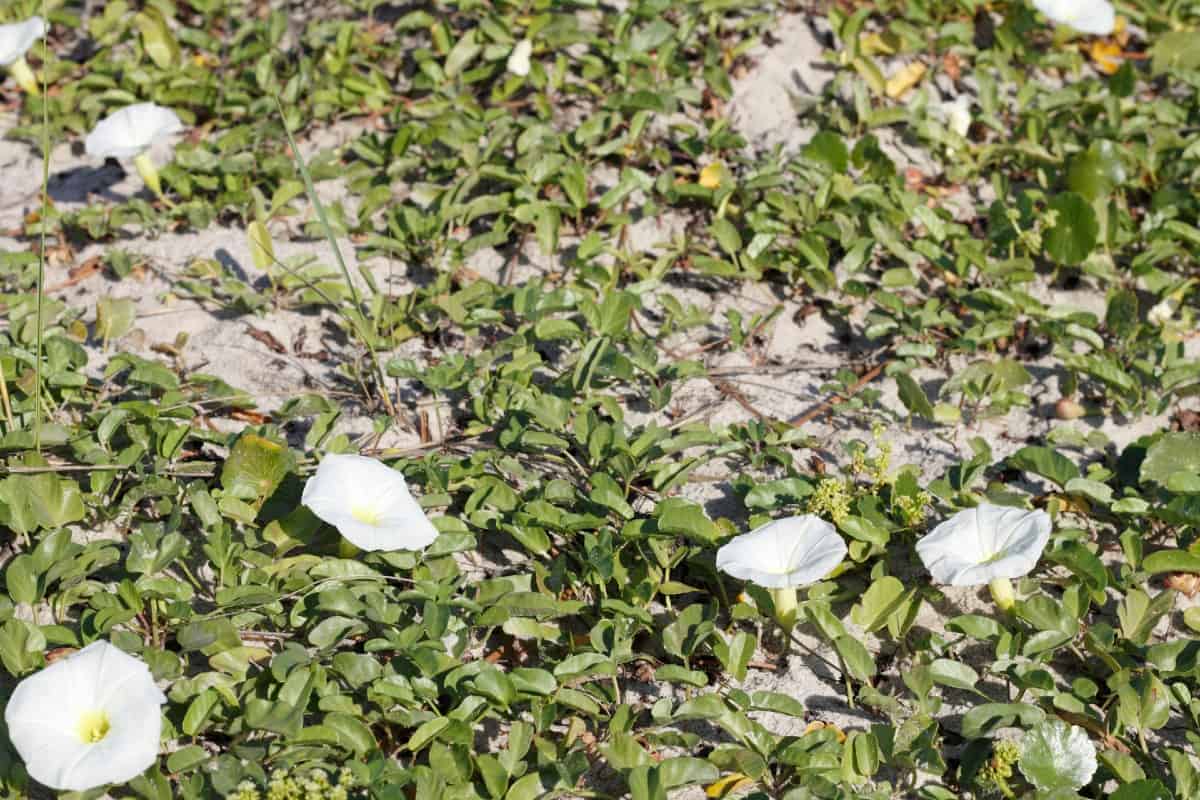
x,y
789,552
15,41
782,556
87,720
518,59
1096,17
369,503
129,133
987,544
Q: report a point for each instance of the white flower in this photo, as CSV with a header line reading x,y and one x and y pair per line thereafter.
x,y
981,544
17,38
130,131
789,552
518,59
87,720
956,114
369,503
1160,314
1086,16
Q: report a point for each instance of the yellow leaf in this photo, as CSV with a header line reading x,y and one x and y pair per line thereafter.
x,y
904,79
879,44
819,726
261,249
728,785
1106,55
712,175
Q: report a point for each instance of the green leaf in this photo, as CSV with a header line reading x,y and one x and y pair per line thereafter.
x,y
879,601
352,733
1175,50
160,44
736,654
22,581
1075,231
645,783
685,771
727,236
953,674
187,758
864,530
44,500
829,149
114,317
1121,318
1174,452
987,717
1045,461
1145,789
677,516
1095,172
1171,561
255,467
913,396
856,657
1055,755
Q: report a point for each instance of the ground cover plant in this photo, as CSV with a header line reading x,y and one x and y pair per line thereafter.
x,y
560,398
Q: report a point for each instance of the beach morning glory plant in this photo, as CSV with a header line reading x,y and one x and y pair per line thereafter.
x,y
15,41
87,720
129,133
369,503
783,556
987,544
1086,16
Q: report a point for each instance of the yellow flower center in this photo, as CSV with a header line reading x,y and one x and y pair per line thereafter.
x,y
365,514
93,726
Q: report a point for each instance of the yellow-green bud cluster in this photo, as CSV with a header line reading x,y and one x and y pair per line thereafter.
x,y
994,775
913,507
313,784
831,499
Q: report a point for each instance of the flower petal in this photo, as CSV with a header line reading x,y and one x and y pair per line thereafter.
x,y
1097,17
794,551
344,483
129,131
518,59
132,743
17,38
979,544
49,753
44,713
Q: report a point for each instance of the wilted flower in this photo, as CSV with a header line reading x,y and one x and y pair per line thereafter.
x,y
1086,16
956,114
987,544
782,556
15,41
518,59
129,133
87,720
369,503
1161,312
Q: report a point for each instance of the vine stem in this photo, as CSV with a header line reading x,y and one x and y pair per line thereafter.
x,y
41,273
